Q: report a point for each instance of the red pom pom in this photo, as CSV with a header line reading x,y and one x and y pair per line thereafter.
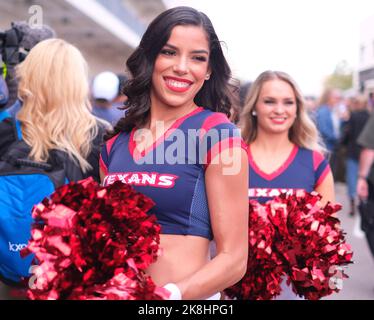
x,y
293,236
264,270
94,242
312,244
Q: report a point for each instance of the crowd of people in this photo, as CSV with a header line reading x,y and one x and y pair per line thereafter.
x,y
268,138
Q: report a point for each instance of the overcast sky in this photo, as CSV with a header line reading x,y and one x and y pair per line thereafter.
x,y
306,38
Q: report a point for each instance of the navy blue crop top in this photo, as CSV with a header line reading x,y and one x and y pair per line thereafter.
x,y
303,170
172,170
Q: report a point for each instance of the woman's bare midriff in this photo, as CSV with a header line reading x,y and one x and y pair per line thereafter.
x,y
180,257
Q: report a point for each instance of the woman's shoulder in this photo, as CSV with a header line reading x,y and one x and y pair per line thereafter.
x,y
311,151
317,156
212,119
210,113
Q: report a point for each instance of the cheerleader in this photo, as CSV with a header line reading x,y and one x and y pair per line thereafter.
x,y
284,152
179,86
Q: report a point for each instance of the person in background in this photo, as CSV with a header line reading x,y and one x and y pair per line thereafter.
x,y
243,92
371,101
105,89
120,100
15,108
22,37
311,106
358,116
180,84
236,106
54,117
365,182
329,124
56,112
4,96
284,150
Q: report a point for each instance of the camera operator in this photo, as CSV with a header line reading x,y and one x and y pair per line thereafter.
x,y
15,44
365,183
4,97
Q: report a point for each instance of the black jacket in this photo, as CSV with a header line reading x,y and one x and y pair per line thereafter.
x,y
352,130
8,135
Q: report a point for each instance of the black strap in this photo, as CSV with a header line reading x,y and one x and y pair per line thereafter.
x,y
29,163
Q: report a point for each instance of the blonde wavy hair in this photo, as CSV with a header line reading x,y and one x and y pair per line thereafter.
x,y
56,112
303,132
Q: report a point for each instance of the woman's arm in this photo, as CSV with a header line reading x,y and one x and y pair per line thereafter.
x,y
226,181
102,175
365,163
326,189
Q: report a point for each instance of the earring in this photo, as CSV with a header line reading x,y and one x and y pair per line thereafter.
x,y
207,77
254,113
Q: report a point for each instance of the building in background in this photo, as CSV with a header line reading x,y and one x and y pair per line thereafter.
x,y
364,79
106,31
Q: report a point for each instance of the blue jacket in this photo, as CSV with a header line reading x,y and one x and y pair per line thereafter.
x,y
15,108
326,127
4,92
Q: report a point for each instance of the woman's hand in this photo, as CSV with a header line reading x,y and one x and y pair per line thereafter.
x,y
362,188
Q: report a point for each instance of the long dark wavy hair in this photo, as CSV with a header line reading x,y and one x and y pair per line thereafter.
x,y
215,93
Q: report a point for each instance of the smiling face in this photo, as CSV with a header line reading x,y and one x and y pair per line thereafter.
x,y
181,67
276,107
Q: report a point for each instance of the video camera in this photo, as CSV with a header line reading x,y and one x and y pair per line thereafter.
x,y
10,45
16,42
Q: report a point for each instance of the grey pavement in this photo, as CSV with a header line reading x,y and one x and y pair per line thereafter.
x,y
360,285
